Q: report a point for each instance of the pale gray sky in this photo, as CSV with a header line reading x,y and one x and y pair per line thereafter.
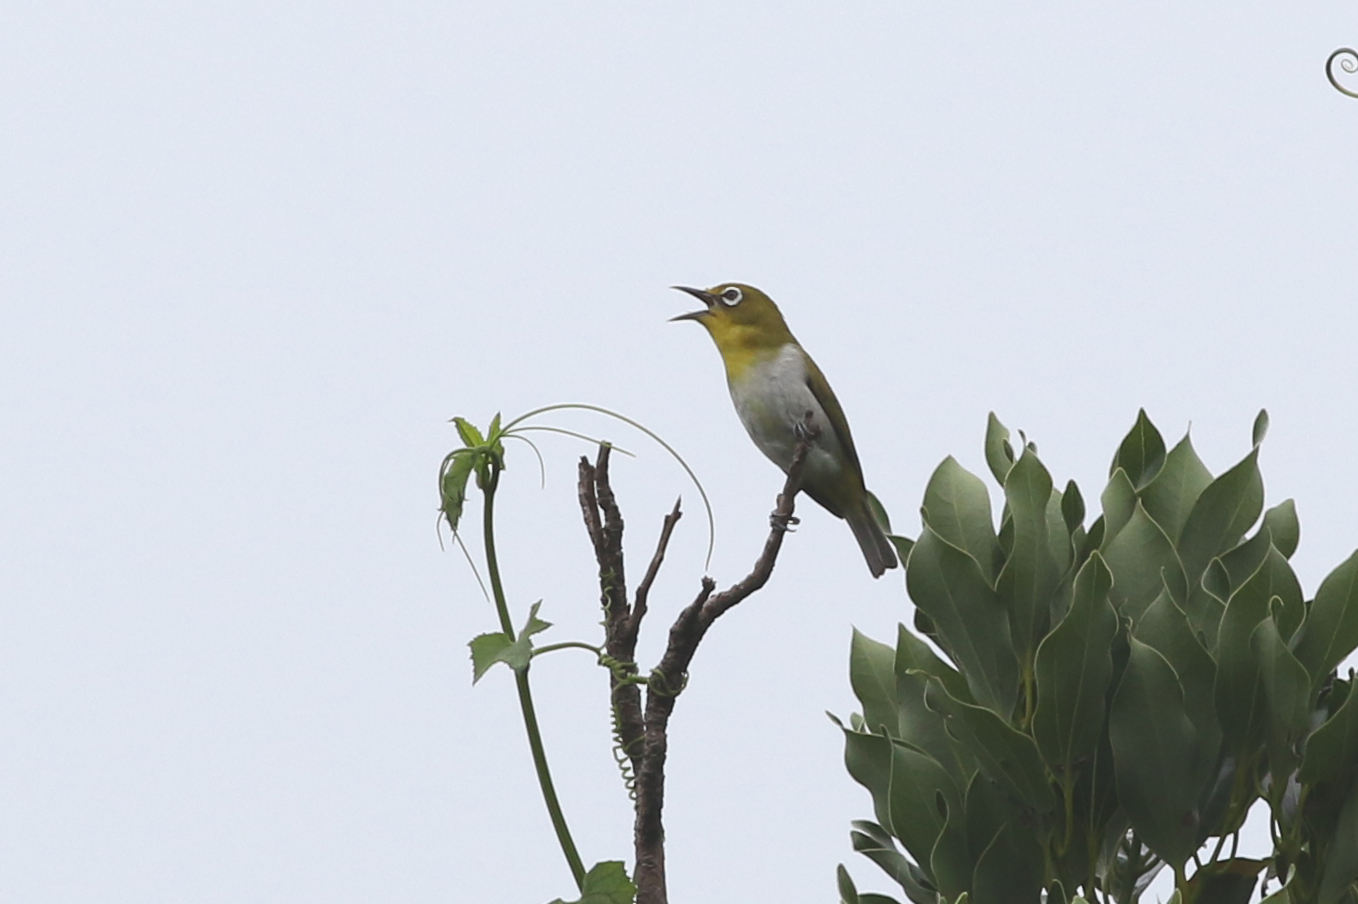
x,y
254,255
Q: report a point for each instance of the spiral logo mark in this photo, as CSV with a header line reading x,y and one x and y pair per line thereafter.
x,y
1345,58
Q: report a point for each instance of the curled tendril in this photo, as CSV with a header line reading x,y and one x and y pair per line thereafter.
x,y
1345,58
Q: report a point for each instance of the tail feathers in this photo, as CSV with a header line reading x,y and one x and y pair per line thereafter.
x,y
877,549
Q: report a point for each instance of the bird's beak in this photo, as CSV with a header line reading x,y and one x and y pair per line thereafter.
x,y
706,298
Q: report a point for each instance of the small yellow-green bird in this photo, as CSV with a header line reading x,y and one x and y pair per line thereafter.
x,y
775,384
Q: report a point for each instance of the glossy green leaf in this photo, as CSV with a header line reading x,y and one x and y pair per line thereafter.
x,y
946,584
1029,576
1074,669
999,454
1156,749
872,675
1007,756
1143,561
1119,502
1330,631
1282,524
957,509
606,883
1225,510
1171,495
1142,453
1332,749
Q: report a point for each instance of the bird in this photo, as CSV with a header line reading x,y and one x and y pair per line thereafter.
x,y
776,388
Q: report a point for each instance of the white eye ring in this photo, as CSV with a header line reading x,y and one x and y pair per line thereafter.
x,y
731,296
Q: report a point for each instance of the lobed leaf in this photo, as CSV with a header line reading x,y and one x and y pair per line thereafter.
x,y
606,883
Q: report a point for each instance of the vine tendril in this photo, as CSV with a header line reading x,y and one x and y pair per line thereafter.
x,y
1345,58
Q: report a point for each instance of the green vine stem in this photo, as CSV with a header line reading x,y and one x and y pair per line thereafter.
x,y
530,719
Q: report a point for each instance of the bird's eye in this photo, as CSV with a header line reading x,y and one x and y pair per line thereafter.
x,y
731,297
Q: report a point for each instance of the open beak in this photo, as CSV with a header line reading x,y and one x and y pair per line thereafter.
x,y
706,298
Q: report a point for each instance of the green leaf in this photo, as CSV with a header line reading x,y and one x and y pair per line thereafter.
x,y
1260,426
1029,576
1119,502
951,863
1165,627
1283,526
873,677
999,454
1074,669
1009,870
868,760
1072,508
606,883
1239,692
1332,749
957,509
947,585
1330,631
918,783
1156,751
1007,756
903,546
1171,495
1143,561
1227,508
488,649
470,435
918,725
1341,862
457,467
875,843
848,893
1287,693
1142,453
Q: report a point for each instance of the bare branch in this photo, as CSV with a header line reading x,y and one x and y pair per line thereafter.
x,y
644,588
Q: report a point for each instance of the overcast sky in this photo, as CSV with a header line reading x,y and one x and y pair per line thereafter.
x,y
254,255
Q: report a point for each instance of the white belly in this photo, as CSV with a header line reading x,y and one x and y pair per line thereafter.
x,y
772,397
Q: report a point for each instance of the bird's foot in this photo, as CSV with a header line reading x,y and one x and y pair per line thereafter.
x,y
783,523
